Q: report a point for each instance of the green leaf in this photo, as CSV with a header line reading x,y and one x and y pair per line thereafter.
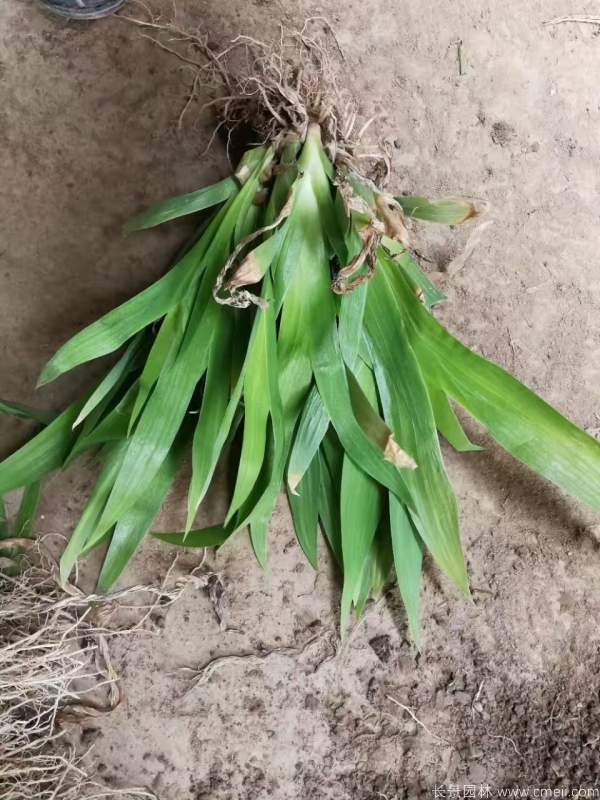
x,y
112,458
423,286
165,346
361,511
25,412
113,380
161,418
448,423
283,416
113,329
304,506
408,410
42,454
383,560
250,212
202,537
256,413
361,506
283,266
309,434
352,312
316,317
26,516
329,496
519,420
204,198
185,204
376,570
259,532
112,428
374,427
135,524
284,180
216,415
450,211
366,584
408,562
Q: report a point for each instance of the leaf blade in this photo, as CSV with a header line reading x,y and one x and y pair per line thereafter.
x,y
25,412
312,427
131,529
305,511
408,563
447,211
448,423
407,408
520,421
213,536
42,454
184,204
113,329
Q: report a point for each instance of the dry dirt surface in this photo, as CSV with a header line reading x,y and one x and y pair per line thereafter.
x,y
506,689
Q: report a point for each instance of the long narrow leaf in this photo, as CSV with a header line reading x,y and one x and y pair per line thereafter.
x,y
25,412
184,204
42,454
408,409
26,516
425,289
305,511
525,425
216,418
256,413
408,562
311,430
88,523
115,328
361,511
361,507
112,380
448,423
135,524
202,537
161,419
330,469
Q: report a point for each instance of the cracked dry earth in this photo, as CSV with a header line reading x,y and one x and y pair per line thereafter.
x,y
506,689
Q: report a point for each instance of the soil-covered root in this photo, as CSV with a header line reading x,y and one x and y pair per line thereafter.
x,y
55,670
273,91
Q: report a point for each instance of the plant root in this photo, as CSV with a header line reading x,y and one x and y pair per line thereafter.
x,y
55,670
274,91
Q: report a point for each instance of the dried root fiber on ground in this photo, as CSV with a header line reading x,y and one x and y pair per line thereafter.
x,y
55,673
299,327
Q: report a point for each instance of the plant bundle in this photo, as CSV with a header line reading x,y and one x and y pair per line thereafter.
x,y
297,326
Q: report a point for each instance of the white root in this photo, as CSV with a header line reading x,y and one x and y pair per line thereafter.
x,y
55,669
280,89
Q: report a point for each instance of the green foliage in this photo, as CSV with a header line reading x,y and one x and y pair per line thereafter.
x,y
338,399
12,536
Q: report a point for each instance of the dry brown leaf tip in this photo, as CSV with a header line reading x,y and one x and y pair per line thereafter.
x,y
397,456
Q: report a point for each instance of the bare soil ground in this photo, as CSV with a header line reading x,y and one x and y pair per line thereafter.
x,y
507,688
